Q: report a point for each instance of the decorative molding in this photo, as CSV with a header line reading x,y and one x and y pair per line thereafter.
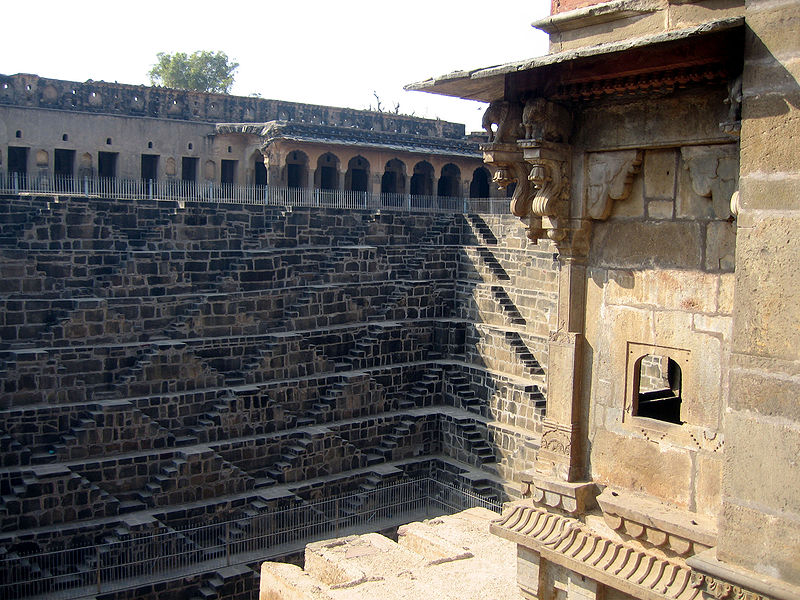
x,y
718,580
609,179
715,589
570,543
644,85
656,524
571,498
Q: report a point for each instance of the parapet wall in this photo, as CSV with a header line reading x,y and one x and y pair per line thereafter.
x,y
165,103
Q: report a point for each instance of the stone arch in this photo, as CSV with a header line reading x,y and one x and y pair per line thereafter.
x,y
394,177
479,186
85,167
422,179
357,177
326,177
209,170
259,168
449,182
296,169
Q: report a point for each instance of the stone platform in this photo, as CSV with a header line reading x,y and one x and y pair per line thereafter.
x,y
452,557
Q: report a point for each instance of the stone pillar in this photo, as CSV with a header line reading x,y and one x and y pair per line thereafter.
x,y
760,520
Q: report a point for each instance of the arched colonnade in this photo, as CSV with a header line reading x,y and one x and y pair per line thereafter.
x,y
362,170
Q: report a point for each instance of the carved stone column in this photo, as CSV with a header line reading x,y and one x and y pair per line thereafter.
x,y
541,164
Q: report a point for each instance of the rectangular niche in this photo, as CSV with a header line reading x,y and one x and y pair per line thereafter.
x,y
658,385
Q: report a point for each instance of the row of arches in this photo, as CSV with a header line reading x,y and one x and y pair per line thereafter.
x,y
328,173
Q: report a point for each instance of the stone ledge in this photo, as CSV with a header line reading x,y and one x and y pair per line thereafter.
x,y
653,522
571,498
721,580
596,14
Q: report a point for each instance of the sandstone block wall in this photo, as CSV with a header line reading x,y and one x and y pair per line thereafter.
x,y
162,364
660,287
760,493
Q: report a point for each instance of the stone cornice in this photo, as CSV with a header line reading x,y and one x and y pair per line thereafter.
x,y
721,581
597,14
656,524
570,543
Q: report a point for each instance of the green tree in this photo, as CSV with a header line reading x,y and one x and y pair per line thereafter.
x,y
202,70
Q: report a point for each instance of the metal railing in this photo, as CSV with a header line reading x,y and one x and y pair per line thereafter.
x,y
188,191
147,557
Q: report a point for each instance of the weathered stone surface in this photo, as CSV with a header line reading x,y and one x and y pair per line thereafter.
x,y
642,466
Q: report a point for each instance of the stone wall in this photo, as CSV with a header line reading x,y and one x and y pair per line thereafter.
x,y
760,487
660,283
165,364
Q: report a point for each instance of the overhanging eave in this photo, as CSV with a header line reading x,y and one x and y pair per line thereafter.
x,y
604,60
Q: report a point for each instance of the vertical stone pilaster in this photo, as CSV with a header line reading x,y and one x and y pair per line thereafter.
x,y
760,486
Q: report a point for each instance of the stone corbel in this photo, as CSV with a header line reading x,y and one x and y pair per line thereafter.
x,y
610,178
546,208
714,172
509,168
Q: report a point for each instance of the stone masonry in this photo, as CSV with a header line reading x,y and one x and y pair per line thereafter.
x,y
165,365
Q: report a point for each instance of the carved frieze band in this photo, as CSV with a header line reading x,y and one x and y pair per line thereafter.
x,y
714,589
595,556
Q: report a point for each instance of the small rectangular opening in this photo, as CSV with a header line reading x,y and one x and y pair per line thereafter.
x,y
189,168
149,167
228,172
657,389
64,164
107,164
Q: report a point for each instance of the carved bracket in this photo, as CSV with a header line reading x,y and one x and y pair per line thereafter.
x,y
610,178
714,174
509,168
539,163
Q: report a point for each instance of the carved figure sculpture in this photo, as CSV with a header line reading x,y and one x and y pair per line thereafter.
x,y
735,100
506,116
546,121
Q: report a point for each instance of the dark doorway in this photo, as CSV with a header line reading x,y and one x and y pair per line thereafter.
x,y
107,164
357,176
422,179
259,172
479,187
449,182
227,175
327,178
17,164
149,167
64,164
296,169
189,168
394,179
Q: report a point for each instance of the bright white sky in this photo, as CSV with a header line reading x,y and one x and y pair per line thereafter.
x,y
316,51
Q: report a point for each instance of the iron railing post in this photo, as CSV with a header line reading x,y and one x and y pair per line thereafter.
x,y
99,575
227,543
